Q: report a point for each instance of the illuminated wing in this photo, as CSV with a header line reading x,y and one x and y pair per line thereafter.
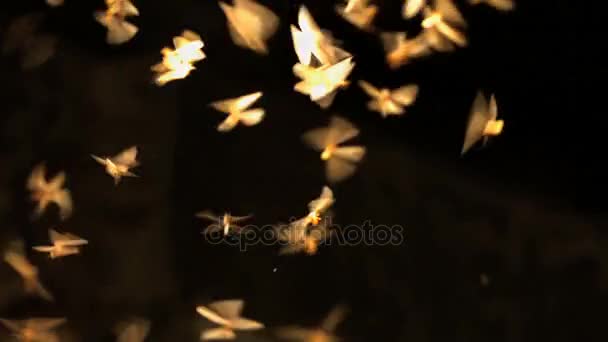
x,y
267,21
246,324
240,218
493,109
351,153
405,95
224,106
57,181
369,89
502,5
63,199
337,73
325,200
206,214
317,138
452,34
218,334
120,31
341,130
307,23
241,103
412,7
302,45
449,12
211,315
127,157
437,41
36,180
228,309
252,117
334,318
338,170
478,120
326,101
133,331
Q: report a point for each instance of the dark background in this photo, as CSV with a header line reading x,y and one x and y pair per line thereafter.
x,y
528,211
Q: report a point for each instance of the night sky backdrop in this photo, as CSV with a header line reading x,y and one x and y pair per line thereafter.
x,y
525,211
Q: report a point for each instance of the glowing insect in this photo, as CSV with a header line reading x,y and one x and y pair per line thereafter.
x,y
35,329
322,83
23,37
119,165
440,26
178,63
501,5
482,122
310,40
340,161
227,314
237,111
323,333
250,24
389,102
133,330
113,18
63,244
44,192
300,237
412,7
359,13
14,256
225,223
400,50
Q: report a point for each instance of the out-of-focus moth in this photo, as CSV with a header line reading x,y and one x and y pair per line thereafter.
x,y
35,329
482,122
250,24
227,314
15,257
299,237
226,223
44,192
310,41
54,3
237,111
119,165
412,7
501,5
441,24
63,244
23,37
178,63
389,102
322,83
400,50
133,330
113,18
324,333
359,13
341,161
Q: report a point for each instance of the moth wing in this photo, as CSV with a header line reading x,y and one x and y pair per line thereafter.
x,y
134,331
302,45
291,249
64,201
228,309
392,40
268,21
241,103
503,5
412,7
326,101
218,334
246,324
252,117
374,106
44,249
120,31
351,153
240,218
449,11
334,318
57,181
128,9
325,200
191,36
224,106
127,157
452,34
207,214
317,138
338,72
341,130
338,170
238,27
405,95
493,108
478,120
369,89
437,41
36,179
211,315
307,23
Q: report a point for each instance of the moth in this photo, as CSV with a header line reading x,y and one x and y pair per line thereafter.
x,y
341,161
411,8
237,110
227,314
225,223
119,165
113,18
35,329
501,5
389,102
23,38
441,26
14,256
250,24
322,83
45,192
400,50
133,330
324,333
299,237
178,63
482,122
359,13
62,244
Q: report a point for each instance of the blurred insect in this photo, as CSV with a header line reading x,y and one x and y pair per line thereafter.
x,y
310,41
359,13
15,257
322,83
23,37
400,50
412,7
340,161
35,329
227,314
237,111
133,330
440,24
119,30
482,122
63,245
323,333
54,3
300,237
44,192
501,5
389,102
225,223
119,165
250,24
178,63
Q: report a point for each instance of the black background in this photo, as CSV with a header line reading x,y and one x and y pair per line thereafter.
x,y
526,211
